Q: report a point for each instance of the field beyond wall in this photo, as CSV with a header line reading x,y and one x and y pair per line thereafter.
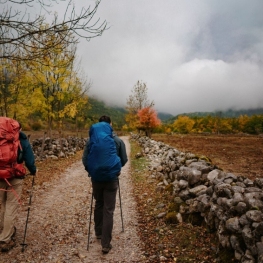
x,y
238,154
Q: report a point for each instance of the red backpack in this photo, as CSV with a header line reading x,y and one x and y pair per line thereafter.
x,y
9,146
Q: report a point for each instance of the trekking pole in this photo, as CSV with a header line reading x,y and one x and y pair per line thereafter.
x,y
90,219
24,245
120,206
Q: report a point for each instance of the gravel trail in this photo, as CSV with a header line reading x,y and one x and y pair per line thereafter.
x,y
59,218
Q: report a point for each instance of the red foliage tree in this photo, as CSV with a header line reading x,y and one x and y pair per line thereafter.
x,y
148,120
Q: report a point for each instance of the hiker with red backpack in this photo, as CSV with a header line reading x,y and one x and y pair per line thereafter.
x,y
103,157
14,150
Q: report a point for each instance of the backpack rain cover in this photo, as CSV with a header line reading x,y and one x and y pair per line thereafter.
x,y
9,144
103,162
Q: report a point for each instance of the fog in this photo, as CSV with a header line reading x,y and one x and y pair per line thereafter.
x,y
193,55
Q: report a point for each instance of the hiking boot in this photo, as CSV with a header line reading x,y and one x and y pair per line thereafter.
x,y
106,250
6,246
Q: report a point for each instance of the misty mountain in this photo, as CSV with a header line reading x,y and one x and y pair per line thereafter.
x,y
164,116
117,114
230,113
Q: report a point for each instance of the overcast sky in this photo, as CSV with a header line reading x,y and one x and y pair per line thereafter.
x,y
201,55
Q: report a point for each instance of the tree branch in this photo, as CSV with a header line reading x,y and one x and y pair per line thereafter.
x,y
20,33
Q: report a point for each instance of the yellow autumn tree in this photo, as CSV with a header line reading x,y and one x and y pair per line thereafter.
x,y
5,81
183,124
75,100
225,126
15,91
57,81
243,120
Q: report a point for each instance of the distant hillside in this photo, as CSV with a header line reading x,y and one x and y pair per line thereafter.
x,y
164,116
224,114
99,108
237,113
117,114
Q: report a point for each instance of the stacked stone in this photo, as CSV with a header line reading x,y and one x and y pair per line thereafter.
x,y
230,205
57,148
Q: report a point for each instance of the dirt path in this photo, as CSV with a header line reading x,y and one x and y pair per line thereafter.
x,y
58,223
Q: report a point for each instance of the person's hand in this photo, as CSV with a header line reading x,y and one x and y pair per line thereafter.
x,y
34,173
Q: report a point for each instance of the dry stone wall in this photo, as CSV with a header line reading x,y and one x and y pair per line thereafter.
x,y
229,204
47,148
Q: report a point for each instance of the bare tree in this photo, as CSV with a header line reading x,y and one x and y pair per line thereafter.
x,y
19,31
139,98
137,101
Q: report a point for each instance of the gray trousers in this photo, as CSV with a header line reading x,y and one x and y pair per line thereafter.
x,y
105,199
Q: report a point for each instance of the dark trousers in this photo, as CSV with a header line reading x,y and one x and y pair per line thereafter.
x,y
105,195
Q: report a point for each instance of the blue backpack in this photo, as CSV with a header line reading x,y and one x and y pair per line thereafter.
x,y
103,162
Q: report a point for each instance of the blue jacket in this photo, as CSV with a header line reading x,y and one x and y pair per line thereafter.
x,y
104,161
27,154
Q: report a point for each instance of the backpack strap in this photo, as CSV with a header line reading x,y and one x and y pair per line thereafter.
x,y
12,190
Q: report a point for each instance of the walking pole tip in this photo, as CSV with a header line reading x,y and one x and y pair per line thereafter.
x,y
23,247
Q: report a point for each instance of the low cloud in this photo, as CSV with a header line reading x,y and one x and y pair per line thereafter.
x,y
203,56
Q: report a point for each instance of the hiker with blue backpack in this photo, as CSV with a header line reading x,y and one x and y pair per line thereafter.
x,y
103,157
14,150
